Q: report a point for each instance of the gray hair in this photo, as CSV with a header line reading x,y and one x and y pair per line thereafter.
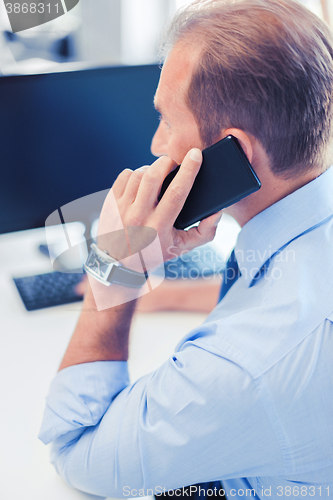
x,y
266,67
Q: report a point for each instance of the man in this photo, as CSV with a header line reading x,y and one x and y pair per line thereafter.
x,y
247,397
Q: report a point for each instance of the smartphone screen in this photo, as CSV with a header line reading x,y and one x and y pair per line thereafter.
x,y
224,178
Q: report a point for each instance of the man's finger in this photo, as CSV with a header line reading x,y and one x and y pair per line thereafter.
x,y
132,186
174,198
151,183
120,183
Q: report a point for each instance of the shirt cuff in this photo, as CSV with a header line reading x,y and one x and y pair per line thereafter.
x,y
80,395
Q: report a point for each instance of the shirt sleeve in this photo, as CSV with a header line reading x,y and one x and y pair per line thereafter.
x,y
197,418
80,395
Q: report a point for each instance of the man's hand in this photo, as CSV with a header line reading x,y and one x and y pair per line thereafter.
x,y
133,202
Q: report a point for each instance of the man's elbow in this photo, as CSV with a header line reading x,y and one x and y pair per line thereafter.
x,y
73,462
61,449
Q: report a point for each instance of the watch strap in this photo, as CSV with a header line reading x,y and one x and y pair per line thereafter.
x,y
123,276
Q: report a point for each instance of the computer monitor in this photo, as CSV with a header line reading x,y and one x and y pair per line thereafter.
x,y
67,135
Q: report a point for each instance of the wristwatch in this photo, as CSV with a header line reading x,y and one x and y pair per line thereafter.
x,y
107,270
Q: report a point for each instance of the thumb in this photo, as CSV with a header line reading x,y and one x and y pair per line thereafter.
x,y
204,232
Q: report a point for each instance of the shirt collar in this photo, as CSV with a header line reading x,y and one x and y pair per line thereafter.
x,y
277,225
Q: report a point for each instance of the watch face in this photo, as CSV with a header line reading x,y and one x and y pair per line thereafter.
x,y
98,266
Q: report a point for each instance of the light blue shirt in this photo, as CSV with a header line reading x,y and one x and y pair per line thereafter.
x,y
247,398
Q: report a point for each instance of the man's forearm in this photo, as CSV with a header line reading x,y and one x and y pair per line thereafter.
x,y
100,335
182,295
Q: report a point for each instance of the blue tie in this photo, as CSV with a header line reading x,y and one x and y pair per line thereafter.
x,y
230,275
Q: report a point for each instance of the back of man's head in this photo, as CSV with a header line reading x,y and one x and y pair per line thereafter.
x,y
266,67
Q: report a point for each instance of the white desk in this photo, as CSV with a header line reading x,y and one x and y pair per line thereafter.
x,y
31,347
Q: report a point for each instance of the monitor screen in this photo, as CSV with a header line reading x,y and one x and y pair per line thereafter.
x,y
67,135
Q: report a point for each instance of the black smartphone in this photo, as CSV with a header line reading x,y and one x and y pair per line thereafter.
x,y
224,178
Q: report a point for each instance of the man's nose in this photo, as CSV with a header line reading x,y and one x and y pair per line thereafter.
x,y
159,142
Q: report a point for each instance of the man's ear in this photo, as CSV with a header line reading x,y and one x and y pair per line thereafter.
x,y
243,138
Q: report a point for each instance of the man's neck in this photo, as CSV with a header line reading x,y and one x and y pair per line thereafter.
x,y
273,189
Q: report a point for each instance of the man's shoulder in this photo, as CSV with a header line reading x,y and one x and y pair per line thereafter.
x,y
258,324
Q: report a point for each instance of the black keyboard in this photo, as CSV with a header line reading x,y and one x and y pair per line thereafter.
x,y
47,290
